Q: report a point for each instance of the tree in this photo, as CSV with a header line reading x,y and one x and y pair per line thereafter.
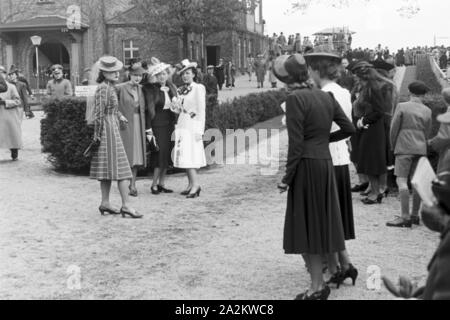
x,y
406,9
182,17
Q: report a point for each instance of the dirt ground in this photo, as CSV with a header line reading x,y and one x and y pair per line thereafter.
x,y
225,245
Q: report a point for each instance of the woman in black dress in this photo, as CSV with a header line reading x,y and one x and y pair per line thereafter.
x,y
161,120
371,105
313,226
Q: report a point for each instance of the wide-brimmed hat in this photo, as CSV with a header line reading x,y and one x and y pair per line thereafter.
x,y
289,68
323,51
382,65
13,70
157,67
110,64
186,64
3,70
136,69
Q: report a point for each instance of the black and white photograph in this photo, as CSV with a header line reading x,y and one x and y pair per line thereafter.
x,y
225,155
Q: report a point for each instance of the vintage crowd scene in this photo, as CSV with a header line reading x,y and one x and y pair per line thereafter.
x,y
343,114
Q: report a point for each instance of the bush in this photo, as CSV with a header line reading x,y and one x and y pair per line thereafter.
x,y
244,112
65,134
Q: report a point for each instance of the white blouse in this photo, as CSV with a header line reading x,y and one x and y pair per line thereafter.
x,y
339,150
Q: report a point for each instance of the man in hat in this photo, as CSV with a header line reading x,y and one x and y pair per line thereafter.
x,y
441,143
410,131
10,118
220,73
59,87
346,79
210,82
260,66
22,90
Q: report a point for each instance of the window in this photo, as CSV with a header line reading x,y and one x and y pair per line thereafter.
x,y
130,51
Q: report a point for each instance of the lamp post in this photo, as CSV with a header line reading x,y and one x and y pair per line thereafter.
x,y
36,40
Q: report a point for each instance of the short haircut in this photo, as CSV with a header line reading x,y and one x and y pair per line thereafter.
x,y
328,68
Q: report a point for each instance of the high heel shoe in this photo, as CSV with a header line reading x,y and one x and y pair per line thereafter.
x,y
339,277
319,295
186,193
351,273
155,191
103,209
134,215
370,202
194,195
162,189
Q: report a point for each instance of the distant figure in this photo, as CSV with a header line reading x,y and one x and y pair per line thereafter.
x,y
298,43
282,40
346,80
59,87
200,75
210,82
261,70
250,62
220,73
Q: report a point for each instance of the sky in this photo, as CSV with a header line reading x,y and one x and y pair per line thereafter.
x,y
375,22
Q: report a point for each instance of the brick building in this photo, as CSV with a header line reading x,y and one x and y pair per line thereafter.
x,y
108,26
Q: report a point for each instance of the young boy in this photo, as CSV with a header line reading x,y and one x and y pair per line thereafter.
x,y
410,130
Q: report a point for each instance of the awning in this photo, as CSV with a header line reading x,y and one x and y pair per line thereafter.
x,y
331,31
53,22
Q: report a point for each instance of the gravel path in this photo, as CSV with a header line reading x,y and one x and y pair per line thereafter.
x,y
225,245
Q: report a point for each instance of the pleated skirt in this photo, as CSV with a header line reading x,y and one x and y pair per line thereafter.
x,y
110,162
343,183
313,222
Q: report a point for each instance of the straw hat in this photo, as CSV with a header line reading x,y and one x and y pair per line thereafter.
x,y
157,67
186,64
110,64
323,51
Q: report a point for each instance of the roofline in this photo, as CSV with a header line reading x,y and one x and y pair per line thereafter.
x,y
6,28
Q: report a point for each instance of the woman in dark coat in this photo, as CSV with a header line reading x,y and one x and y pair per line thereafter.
x,y
313,224
161,120
370,109
132,106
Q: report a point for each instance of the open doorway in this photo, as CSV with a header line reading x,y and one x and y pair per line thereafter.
x,y
213,55
50,54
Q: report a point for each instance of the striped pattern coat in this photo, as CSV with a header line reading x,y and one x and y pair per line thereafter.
x,y
110,162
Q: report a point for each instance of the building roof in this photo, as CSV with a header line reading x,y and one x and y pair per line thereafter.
x,y
49,22
331,31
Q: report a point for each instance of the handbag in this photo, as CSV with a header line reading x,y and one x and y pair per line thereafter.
x,y
93,146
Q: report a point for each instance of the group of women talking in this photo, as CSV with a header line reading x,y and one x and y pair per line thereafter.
x,y
319,118
146,113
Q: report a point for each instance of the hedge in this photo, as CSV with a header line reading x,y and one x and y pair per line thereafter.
x,y
65,134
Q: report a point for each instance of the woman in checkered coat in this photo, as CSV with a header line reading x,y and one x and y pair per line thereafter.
x,y
110,162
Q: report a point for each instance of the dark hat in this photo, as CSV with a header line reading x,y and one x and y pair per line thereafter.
x,y
290,68
418,88
382,65
13,70
323,51
357,65
136,69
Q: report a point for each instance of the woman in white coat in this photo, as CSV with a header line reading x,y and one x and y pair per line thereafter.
x,y
189,152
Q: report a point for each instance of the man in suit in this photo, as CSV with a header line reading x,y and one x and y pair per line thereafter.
x,y
410,130
210,82
220,73
346,79
22,90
